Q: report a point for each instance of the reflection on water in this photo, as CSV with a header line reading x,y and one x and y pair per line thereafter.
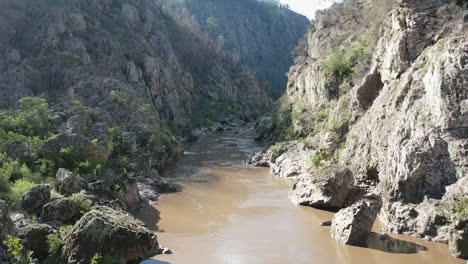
x,y
234,214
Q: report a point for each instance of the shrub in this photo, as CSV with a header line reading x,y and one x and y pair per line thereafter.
x,y
8,170
277,150
18,189
70,158
21,254
117,97
100,259
83,201
461,207
338,66
55,241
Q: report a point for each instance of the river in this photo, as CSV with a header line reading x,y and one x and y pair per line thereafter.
x,y
230,213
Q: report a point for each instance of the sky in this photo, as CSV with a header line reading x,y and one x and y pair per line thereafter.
x,y
307,7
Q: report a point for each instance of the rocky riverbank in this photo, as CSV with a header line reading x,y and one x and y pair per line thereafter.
x,y
379,90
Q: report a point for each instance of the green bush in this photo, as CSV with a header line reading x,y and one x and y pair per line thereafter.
x,y
70,158
18,189
117,97
20,253
83,201
55,241
461,208
277,150
100,259
30,120
339,67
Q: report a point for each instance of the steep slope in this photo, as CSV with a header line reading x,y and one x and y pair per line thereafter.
x,y
262,32
92,95
384,95
127,61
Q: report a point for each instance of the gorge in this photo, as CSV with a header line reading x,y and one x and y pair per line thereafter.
x,y
127,132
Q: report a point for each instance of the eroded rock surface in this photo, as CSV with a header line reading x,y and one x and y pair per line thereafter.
x,y
35,198
353,225
327,189
111,233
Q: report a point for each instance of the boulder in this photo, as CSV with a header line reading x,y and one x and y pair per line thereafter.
x,y
353,225
6,225
35,238
61,209
68,183
35,198
458,243
51,148
109,232
325,189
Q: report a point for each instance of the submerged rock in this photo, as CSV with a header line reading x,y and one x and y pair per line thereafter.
x,y
327,189
352,225
35,198
111,233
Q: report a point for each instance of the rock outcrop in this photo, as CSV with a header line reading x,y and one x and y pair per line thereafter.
x,y
103,230
62,209
326,189
380,87
34,237
458,242
353,225
51,148
262,33
67,183
35,198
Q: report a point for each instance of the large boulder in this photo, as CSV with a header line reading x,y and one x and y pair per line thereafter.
x,y
35,198
68,183
325,189
111,233
458,243
35,238
88,149
6,225
61,209
353,225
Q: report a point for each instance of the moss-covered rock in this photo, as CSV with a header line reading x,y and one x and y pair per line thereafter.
x,y
112,233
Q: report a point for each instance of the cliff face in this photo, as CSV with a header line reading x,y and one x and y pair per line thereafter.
x,y
262,33
84,50
385,95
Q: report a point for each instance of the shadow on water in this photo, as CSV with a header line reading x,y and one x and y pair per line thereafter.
x,y
154,261
389,244
151,217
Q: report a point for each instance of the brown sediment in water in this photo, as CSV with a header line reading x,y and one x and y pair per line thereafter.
x,y
235,214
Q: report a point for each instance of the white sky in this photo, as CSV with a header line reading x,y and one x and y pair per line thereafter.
x,y
308,7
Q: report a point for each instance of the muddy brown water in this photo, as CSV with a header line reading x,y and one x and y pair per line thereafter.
x,y
229,213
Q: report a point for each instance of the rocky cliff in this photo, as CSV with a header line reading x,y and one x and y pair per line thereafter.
x,y
93,94
262,33
380,88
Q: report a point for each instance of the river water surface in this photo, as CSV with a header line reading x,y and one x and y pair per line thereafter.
x,y
229,213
